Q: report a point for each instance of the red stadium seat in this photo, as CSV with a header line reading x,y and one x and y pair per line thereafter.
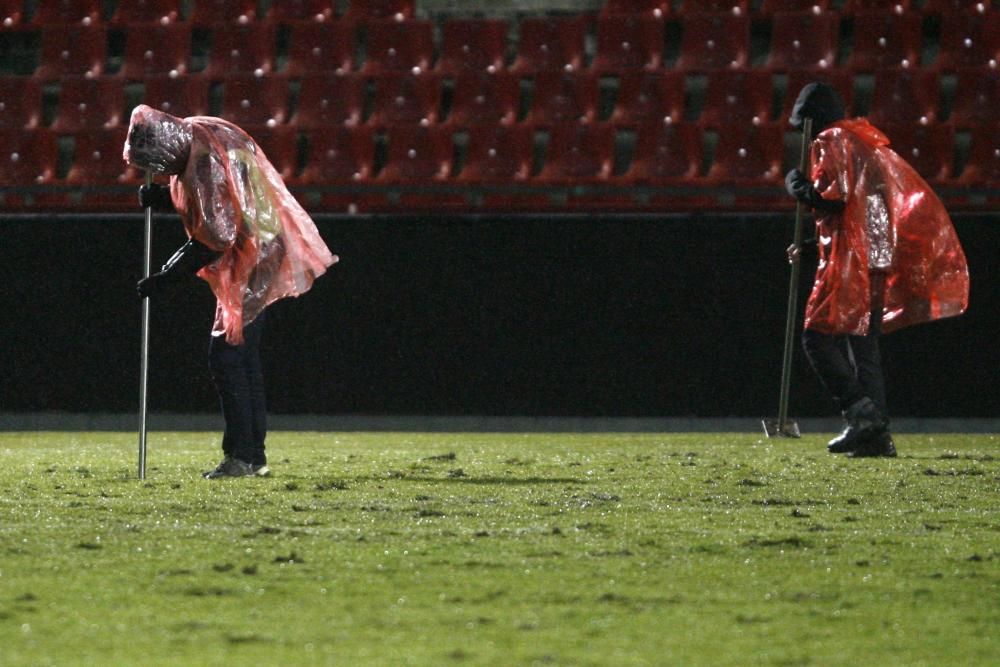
x,y
302,10
714,41
498,154
156,49
280,144
399,45
402,98
578,154
339,155
894,6
930,150
983,166
89,103
97,158
238,48
976,97
68,12
330,100
72,51
180,96
628,42
735,7
211,12
146,11
417,154
481,98
367,10
553,43
958,6
315,47
98,166
905,95
841,80
255,100
11,13
20,102
970,39
803,40
473,44
811,6
666,153
564,97
749,155
28,157
883,39
659,9
649,97
739,97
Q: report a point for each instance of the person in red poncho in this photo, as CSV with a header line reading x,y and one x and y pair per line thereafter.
x,y
248,239
888,258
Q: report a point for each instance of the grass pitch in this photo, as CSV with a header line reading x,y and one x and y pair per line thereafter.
x,y
501,549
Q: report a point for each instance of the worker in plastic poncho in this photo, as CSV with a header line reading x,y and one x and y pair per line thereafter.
x,y
248,238
888,258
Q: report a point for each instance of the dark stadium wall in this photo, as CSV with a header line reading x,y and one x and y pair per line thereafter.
x,y
529,316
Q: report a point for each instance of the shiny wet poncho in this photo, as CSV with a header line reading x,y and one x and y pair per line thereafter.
x,y
893,223
232,200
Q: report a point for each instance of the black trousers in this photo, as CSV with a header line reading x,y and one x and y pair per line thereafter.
x,y
239,379
850,367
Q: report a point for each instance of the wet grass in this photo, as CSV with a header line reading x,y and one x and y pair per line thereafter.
x,y
500,549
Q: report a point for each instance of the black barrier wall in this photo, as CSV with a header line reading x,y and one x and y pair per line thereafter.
x,y
530,316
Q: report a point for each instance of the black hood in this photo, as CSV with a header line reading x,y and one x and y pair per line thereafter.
x,y
820,102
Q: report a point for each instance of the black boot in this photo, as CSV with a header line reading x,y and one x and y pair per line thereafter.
x,y
864,421
878,445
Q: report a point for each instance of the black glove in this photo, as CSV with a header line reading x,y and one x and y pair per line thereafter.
x,y
800,187
155,196
156,284
188,259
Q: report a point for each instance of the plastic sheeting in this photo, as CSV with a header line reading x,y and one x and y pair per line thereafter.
x,y
892,223
232,200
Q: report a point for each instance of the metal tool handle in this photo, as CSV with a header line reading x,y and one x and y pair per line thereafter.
x,y
793,287
144,361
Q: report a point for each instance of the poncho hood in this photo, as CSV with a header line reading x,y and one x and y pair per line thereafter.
x,y
157,141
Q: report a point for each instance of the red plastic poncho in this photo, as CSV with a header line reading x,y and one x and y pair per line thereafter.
x,y
232,200
892,222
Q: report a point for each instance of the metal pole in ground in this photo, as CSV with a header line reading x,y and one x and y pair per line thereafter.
x,y
144,362
783,426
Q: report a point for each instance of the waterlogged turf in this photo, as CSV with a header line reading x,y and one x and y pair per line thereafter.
x,y
501,549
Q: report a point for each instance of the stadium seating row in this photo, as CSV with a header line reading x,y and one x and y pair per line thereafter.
x,y
635,97
654,155
798,40
644,103
92,12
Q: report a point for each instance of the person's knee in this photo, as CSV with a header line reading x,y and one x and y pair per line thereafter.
x,y
224,361
811,341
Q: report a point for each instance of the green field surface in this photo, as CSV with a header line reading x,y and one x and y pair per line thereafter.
x,y
499,549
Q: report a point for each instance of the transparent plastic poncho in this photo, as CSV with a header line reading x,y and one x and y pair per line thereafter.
x,y
892,223
231,199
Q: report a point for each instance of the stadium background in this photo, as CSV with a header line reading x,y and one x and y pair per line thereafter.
x,y
610,264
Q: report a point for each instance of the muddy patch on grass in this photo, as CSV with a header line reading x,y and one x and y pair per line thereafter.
x,y
208,592
793,542
450,456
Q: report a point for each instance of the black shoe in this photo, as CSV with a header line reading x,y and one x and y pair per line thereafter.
x,y
230,467
880,445
864,421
